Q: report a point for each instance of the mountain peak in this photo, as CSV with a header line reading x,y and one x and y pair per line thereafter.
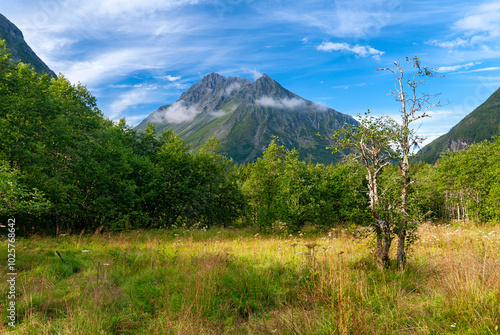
x,y
267,86
212,80
265,78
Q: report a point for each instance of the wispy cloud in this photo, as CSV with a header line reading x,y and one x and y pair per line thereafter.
x,y
358,50
486,69
126,100
108,65
480,26
341,18
484,19
346,87
454,68
281,103
255,74
457,42
233,87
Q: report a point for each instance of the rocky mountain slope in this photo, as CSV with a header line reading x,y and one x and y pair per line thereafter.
x,y
245,116
20,49
480,125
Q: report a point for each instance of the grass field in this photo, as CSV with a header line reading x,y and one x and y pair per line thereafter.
x,y
239,282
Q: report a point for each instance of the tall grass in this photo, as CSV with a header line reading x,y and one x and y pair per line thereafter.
x,y
239,282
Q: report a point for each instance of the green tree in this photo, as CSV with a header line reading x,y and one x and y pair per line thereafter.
x,y
370,143
15,198
262,185
219,198
469,181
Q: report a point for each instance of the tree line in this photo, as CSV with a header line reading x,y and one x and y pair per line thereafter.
x,y
64,167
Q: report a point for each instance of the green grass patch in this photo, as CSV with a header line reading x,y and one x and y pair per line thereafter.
x,y
229,281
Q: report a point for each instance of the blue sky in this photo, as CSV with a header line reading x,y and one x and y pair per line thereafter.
x,y
138,55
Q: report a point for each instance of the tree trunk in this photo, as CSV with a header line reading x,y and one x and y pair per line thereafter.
x,y
382,253
401,256
384,241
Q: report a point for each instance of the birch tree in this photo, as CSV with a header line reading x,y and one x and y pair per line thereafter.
x,y
370,143
414,106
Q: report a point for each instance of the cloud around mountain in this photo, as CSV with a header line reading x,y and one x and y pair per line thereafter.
x,y
284,103
178,112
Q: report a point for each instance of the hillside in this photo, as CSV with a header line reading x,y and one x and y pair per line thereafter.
x,y
480,125
245,116
20,49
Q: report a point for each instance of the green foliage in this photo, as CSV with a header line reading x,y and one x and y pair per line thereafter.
x,y
15,198
283,191
469,181
199,187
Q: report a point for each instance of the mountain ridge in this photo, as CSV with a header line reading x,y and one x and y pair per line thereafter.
x,y
479,125
20,50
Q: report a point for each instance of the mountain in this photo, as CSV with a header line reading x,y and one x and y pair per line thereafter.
x,y
19,48
245,116
480,125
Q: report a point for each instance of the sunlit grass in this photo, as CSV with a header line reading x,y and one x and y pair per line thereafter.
x,y
226,281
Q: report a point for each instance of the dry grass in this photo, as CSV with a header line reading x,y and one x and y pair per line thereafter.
x,y
231,282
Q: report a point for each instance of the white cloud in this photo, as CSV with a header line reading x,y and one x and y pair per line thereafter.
x,y
281,103
340,18
484,19
481,25
178,112
107,65
450,44
177,86
233,87
126,100
454,68
171,78
493,68
358,50
346,87
218,114
130,7
255,74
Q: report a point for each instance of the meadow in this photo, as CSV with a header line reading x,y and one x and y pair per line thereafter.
x,y
240,281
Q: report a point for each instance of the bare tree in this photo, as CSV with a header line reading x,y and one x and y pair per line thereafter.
x,y
414,106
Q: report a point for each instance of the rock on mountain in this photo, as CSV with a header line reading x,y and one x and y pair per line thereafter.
x,y
245,116
478,126
19,48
